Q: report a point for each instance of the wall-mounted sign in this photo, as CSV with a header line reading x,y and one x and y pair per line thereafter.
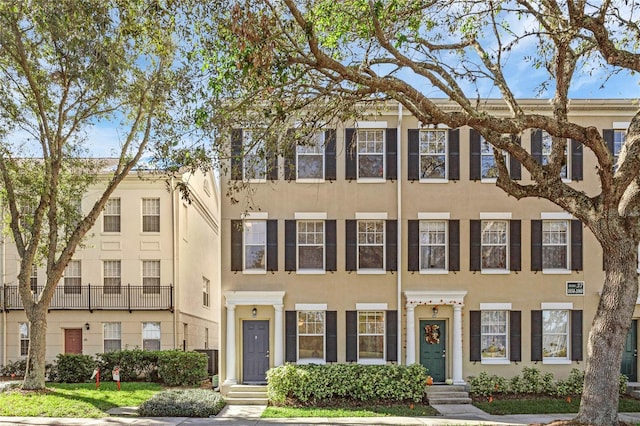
x,y
575,288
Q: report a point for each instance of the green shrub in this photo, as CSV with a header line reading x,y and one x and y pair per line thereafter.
x,y
486,385
183,403
532,381
308,384
178,368
14,368
135,364
73,368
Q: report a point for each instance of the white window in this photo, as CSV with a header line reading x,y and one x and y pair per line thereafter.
x,y
151,336
311,326
311,244
151,215
24,338
433,154
111,215
494,335
371,331
254,162
555,334
73,277
494,244
547,143
371,153
33,279
112,336
255,245
206,292
555,244
310,158
151,277
370,244
619,137
433,245
111,276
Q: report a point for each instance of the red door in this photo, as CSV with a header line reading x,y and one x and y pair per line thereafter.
x,y
73,341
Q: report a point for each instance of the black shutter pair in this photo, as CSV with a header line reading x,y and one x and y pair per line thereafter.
x,y
351,154
391,336
329,156
515,337
290,246
391,245
576,154
453,155
413,237
291,336
536,245
576,335
475,254
236,245
475,158
237,157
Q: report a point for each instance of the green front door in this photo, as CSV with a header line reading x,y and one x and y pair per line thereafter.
x,y
630,355
433,343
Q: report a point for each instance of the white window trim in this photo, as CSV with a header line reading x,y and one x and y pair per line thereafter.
x,y
559,271
244,263
436,271
314,271
321,155
244,164
372,307
434,215
498,307
254,216
383,125
445,179
507,163
559,307
373,271
506,270
383,178
495,215
371,216
495,306
552,306
306,361
568,155
620,125
310,216
556,216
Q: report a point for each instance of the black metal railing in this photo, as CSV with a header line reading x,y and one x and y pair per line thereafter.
x,y
90,297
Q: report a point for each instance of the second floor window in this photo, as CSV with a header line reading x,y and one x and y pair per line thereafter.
x,y
254,161
433,154
111,215
73,277
151,276
547,143
311,244
151,215
619,137
112,276
310,158
433,244
555,244
24,338
494,244
206,292
371,154
255,245
33,280
371,244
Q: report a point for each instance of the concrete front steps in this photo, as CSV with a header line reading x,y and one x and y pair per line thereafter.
x,y
633,389
246,395
447,394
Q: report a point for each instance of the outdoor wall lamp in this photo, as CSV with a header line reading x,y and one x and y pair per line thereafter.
x,y
254,312
87,326
435,311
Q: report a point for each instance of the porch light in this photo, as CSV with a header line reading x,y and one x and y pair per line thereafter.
x,y
435,311
87,326
254,312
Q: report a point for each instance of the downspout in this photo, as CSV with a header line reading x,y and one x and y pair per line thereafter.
x,y
399,218
174,249
4,279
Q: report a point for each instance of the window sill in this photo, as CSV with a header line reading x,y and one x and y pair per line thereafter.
x,y
488,180
311,272
371,272
495,272
550,361
372,361
254,180
311,361
371,180
556,271
434,180
495,362
254,272
434,272
150,233
306,180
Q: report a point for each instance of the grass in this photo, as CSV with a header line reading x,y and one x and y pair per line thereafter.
x,y
544,405
75,400
402,410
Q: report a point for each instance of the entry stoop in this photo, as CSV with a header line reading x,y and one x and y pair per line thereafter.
x,y
447,394
633,389
246,395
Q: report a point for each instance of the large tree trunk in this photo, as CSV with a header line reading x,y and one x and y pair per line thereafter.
x,y
34,378
599,404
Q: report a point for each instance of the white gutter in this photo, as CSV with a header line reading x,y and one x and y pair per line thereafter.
x,y
399,237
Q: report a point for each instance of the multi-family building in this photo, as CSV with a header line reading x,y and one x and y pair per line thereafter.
x,y
383,241
147,275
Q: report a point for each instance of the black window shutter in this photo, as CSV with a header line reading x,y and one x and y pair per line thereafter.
x,y
236,245
392,336
454,245
332,336
474,336
330,261
515,263
576,160
607,135
576,245
290,238
536,245
330,154
536,335
515,168
576,335
515,337
391,242
413,238
475,246
413,162
352,247
352,336
392,153
236,154
350,154
272,162
272,245
474,157
454,154
290,157
536,145
291,336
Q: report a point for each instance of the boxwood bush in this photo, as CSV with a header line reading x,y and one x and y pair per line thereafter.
x,y
308,384
135,364
73,368
178,368
183,403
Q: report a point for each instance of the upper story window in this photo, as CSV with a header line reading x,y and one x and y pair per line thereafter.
x,y
433,154
151,336
433,245
206,292
371,244
555,334
254,162
494,242
73,277
371,154
310,244
151,277
310,158
24,338
494,335
311,332
489,168
151,215
112,336
111,276
555,244
371,336
111,215
33,279
255,245
547,144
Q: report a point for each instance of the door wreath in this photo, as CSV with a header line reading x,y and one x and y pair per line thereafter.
x,y
432,334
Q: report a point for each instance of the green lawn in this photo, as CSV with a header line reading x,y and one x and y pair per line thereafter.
x,y
544,405
405,410
75,400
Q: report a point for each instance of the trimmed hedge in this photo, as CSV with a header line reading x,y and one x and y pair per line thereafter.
x,y
135,364
178,368
308,384
73,368
183,403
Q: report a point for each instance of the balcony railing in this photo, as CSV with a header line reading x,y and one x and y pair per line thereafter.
x,y
90,297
